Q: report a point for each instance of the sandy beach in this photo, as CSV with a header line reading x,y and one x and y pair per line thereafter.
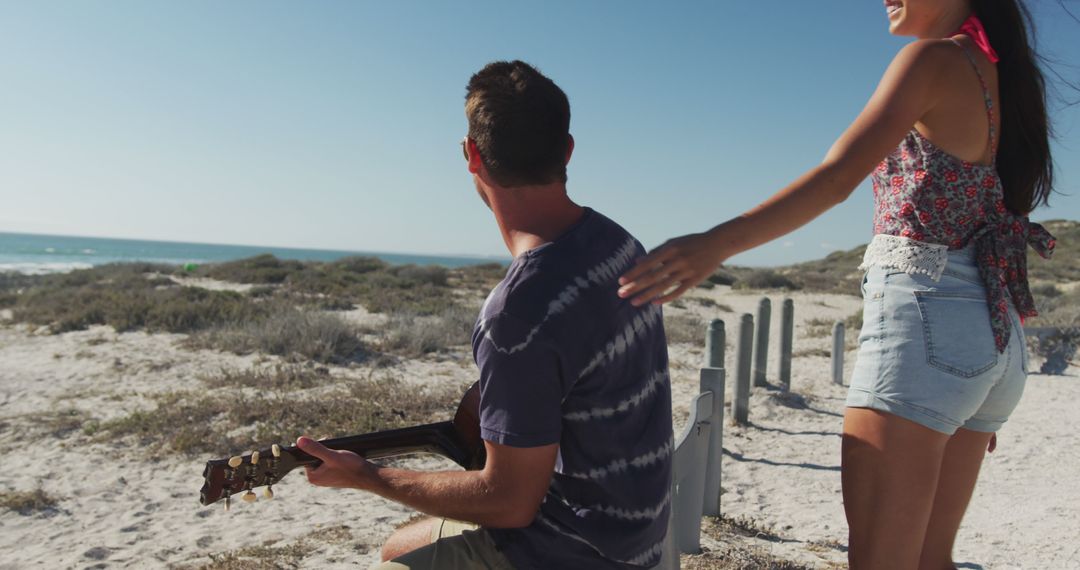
x,y
122,505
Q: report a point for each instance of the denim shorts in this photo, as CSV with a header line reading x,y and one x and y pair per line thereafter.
x,y
927,354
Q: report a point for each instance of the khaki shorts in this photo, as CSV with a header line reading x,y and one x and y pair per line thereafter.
x,y
455,545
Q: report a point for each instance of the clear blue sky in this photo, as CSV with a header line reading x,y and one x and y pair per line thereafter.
x,y
336,124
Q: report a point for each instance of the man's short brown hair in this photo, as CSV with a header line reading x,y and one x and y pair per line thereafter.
x,y
520,121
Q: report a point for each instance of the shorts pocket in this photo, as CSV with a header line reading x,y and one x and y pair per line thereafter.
x,y
957,333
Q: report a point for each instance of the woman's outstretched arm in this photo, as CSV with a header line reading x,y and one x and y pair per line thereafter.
x,y
906,92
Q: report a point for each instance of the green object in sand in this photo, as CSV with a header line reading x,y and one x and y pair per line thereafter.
x,y
191,266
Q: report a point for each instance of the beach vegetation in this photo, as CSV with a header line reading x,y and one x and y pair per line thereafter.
x,y
264,269
272,556
197,422
735,551
28,502
722,277
344,283
686,328
121,295
710,304
278,378
765,279
289,332
818,327
284,314
409,334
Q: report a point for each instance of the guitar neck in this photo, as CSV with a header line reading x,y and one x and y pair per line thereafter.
x,y
439,438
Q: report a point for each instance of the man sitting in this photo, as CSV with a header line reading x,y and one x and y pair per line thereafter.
x,y
575,406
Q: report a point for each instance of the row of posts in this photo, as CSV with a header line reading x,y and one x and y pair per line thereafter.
x,y
749,347
752,351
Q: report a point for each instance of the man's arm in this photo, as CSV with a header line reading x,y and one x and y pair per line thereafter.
x,y
506,493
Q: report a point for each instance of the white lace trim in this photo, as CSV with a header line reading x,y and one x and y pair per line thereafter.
x,y
907,255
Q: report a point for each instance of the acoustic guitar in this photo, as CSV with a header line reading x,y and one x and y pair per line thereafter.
x,y
457,439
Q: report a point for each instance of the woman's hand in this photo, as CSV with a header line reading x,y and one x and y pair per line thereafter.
x,y
671,269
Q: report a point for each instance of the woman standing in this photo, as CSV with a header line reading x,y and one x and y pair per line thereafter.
x,y
955,139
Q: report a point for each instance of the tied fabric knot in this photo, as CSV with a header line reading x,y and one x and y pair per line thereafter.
x,y
1001,250
973,28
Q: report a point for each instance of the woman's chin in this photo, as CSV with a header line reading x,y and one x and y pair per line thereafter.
x,y
896,27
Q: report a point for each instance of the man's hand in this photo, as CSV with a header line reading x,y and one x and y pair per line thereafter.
x,y
341,469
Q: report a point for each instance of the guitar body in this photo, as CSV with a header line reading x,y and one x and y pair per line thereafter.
x,y
458,440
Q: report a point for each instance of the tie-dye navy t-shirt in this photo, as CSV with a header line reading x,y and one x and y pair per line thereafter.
x,y
564,360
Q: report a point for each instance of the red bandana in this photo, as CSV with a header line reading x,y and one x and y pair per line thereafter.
x,y
973,28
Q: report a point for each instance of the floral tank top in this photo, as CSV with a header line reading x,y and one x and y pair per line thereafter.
x,y
924,194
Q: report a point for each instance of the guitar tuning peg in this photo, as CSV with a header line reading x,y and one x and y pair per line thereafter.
x,y
235,461
276,450
269,492
254,457
250,497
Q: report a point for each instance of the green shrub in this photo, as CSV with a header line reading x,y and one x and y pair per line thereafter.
x,y
409,334
265,269
287,332
721,277
765,279
128,302
359,265
421,274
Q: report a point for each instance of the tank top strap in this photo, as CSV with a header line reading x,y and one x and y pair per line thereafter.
x,y
986,98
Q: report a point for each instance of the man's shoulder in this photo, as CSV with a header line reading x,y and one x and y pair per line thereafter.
x,y
552,278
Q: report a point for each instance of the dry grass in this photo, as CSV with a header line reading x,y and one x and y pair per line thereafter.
x,y
190,423
282,377
709,304
819,328
409,334
28,502
686,328
765,279
270,557
288,332
738,558
735,553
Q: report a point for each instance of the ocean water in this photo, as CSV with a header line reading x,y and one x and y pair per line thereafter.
x,y
36,254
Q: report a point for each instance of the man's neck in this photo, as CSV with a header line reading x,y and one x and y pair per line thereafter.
x,y
531,216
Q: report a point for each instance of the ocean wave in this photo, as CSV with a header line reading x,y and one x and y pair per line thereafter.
x,y
42,268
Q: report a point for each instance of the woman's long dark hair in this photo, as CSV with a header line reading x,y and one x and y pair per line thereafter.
x,y
1023,160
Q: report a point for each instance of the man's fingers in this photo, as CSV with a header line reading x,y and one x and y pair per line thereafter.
x,y
313,448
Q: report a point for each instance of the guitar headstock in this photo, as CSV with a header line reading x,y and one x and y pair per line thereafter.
x,y
223,478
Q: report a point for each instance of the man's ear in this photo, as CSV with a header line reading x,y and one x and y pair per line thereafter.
x,y
475,163
569,146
